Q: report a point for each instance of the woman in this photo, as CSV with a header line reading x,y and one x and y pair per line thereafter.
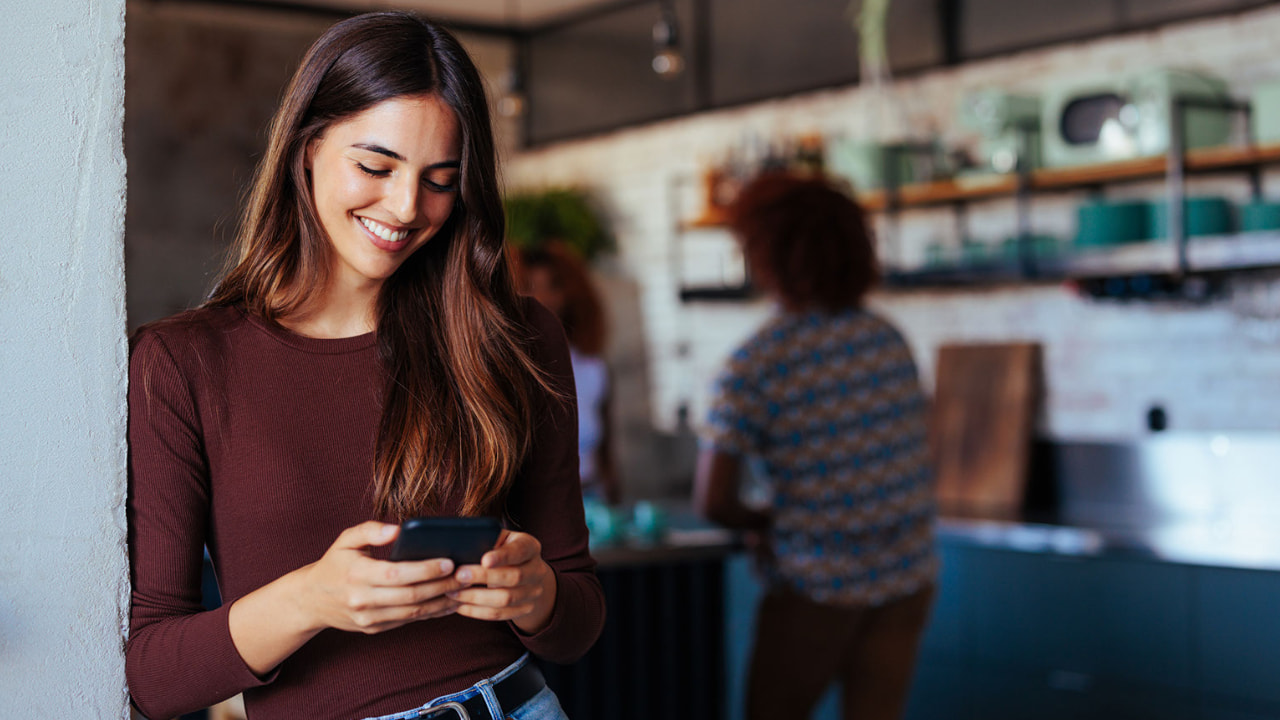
x,y
826,395
366,359
559,280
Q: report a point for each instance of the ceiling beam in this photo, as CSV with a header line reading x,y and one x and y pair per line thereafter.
x,y
328,12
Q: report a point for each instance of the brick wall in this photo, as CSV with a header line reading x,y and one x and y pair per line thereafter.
x,y
1215,366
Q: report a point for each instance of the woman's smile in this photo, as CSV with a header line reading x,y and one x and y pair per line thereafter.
x,y
384,182
387,237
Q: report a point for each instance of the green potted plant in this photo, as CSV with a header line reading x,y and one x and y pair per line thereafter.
x,y
563,214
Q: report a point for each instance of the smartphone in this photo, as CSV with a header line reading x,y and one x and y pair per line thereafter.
x,y
462,540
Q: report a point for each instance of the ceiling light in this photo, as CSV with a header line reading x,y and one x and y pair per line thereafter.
x,y
514,101
668,61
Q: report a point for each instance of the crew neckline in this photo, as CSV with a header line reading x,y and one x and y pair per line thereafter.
x,y
322,346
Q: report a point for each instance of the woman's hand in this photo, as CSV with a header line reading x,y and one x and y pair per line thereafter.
x,y
518,584
348,590
344,589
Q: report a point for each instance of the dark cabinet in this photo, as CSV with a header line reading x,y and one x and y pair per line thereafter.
x,y
1126,621
1017,635
1238,636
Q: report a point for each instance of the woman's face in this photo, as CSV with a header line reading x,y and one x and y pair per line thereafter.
x,y
384,181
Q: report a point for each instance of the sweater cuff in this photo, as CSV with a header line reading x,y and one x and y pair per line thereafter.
x,y
562,641
187,663
244,676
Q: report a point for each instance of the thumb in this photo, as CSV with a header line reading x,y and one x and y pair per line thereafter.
x,y
366,534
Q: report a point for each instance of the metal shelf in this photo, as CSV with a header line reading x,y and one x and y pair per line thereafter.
x,y
1207,254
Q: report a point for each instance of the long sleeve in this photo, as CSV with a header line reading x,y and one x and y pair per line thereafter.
x,y
547,503
179,657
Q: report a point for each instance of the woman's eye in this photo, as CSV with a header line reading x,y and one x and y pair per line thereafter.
x,y
371,172
449,186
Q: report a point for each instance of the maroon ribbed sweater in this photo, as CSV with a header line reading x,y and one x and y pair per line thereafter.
x,y
259,442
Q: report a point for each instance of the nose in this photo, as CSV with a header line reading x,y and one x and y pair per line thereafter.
x,y
404,199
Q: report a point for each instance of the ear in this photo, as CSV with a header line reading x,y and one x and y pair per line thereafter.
x,y
308,155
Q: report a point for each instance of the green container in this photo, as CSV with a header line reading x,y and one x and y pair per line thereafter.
x,y
863,163
1113,223
1266,113
1201,216
1260,215
937,255
974,252
1042,246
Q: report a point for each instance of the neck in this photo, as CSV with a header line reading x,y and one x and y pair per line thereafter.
x,y
339,311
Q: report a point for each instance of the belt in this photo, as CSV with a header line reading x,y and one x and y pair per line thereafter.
x,y
513,691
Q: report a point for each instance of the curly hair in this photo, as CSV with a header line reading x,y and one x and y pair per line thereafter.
x,y
805,241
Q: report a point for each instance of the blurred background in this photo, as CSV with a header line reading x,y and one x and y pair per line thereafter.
x,y
1077,212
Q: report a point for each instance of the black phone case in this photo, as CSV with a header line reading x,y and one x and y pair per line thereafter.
x,y
462,540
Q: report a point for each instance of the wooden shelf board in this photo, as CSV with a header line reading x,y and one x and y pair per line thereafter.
x,y
1201,160
949,191
940,192
712,218
946,191
1084,175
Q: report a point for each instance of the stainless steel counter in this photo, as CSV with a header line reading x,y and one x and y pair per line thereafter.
x,y
1251,545
1210,499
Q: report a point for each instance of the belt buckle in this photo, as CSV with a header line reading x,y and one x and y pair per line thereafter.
x,y
454,706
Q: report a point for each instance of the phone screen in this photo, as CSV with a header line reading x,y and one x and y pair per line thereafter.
x,y
462,540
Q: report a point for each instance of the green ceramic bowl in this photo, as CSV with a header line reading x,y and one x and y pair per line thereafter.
x,y
1113,222
1201,216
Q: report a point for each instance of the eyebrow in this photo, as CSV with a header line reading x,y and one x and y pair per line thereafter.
x,y
397,156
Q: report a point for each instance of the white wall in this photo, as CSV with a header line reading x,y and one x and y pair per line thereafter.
x,y
63,569
1214,367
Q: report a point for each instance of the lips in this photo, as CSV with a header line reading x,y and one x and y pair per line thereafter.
x,y
384,236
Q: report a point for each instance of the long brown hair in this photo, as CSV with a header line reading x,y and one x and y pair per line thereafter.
x,y
461,387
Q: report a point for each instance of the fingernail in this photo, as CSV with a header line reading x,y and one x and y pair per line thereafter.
x,y
446,566
464,575
388,530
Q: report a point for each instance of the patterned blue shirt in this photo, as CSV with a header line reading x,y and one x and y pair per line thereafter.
x,y
832,406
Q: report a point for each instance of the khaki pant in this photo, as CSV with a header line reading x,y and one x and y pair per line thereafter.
x,y
803,646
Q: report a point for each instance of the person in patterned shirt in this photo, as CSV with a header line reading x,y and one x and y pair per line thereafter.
x,y
825,396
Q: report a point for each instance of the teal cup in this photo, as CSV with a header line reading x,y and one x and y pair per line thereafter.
x,y
1260,215
648,522
604,525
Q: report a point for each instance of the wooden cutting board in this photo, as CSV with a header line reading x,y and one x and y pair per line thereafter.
x,y
986,402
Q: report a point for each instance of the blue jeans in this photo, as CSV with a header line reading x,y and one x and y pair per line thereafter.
x,y
543,706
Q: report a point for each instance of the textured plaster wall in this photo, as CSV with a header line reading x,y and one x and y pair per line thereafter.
x,y
1212,367
63,569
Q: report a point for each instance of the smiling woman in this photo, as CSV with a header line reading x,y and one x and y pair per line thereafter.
x,y
364,359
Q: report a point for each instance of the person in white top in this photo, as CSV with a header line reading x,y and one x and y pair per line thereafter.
x,y
556,277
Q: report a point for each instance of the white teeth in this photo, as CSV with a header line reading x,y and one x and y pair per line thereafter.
x,y
383,231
